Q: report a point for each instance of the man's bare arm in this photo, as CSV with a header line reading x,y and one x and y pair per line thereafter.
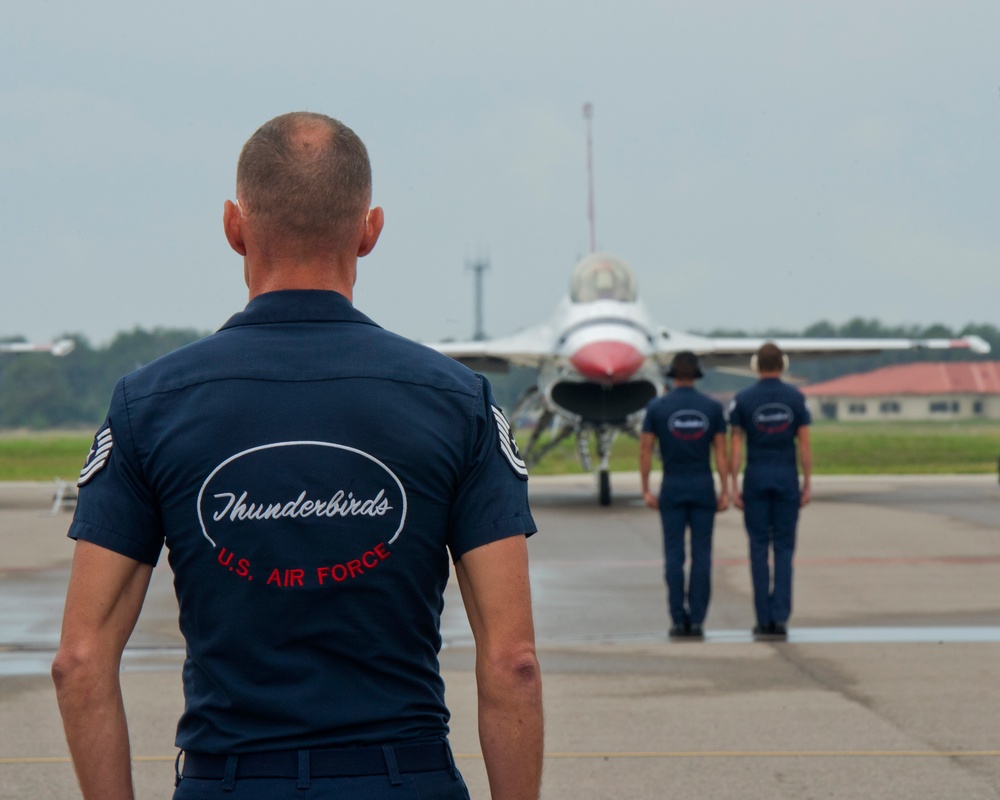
x,y
494,583
105,595
806,463
735,462
646,443
722,467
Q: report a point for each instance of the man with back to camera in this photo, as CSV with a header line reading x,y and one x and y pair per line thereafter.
x,y
689,426
309,473
773,419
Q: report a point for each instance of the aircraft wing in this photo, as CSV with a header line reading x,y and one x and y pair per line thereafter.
x,y
526,348
61,348
734,352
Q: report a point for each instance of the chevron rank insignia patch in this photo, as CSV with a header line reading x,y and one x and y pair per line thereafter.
x,y
508,446
98,456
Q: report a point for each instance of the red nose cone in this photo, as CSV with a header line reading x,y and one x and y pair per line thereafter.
x,y
607,362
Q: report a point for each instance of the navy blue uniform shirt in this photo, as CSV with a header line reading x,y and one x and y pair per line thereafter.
x,y
308,472
771,413
685,423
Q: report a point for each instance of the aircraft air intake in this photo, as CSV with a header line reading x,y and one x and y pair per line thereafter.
x,y
603,404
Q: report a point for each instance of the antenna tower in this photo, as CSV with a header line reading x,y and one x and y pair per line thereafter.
x,y
588,115
478,267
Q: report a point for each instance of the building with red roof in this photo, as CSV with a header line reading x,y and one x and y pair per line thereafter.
x,y
952,390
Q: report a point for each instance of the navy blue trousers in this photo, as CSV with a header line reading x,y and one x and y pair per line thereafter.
x,y
771,500
428,779
438,785
688,505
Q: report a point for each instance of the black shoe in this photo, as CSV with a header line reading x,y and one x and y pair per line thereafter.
x,y
775,631
677,631
696,632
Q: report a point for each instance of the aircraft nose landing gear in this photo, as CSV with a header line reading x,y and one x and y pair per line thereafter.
x,y
605,438
604,487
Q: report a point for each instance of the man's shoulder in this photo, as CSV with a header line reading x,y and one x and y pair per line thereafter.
x,y
745,394
693,398
176,362
789,391
656,403
362,351
743,404
678,401
709,402
664,404
796,391
424,364
765,388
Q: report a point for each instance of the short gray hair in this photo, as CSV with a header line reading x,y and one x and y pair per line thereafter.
x,y
305,176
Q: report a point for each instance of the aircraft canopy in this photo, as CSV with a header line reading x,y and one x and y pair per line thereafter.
x,y
602,277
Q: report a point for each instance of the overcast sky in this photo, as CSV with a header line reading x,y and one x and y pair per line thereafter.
x,y
759,164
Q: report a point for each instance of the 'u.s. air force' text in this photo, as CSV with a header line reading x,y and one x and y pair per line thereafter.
x,y
297,577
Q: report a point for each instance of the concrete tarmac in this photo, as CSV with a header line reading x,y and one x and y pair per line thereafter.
x,y
889,684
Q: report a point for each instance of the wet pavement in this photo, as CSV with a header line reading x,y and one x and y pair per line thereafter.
x,y
888,685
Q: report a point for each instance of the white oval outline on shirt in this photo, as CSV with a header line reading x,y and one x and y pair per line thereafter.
x,y
763,409
693,412
201,492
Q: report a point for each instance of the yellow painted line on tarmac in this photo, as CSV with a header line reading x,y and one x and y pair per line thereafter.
x,y
787,754
649,754
68,760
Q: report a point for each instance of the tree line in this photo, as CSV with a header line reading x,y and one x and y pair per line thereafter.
x,y
39,391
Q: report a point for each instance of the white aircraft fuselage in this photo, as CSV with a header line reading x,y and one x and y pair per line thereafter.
x,y
603,368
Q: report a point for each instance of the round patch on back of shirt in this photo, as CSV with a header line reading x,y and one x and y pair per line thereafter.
x,y
688,424
302,514
773,418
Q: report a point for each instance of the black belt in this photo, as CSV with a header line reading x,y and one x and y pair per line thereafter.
x,y
345,762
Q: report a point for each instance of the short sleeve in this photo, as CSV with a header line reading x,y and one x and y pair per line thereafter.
x,y
115,508
491,501
718,420
805,418
736,413
648,421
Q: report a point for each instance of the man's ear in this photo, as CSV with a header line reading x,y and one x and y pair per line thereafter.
x,y
373,229
232,223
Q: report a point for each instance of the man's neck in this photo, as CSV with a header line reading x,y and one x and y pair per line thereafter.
x,y
323,275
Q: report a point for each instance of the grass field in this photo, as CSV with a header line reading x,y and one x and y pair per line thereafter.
x,y
906,448
838,449
852,449
42,456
